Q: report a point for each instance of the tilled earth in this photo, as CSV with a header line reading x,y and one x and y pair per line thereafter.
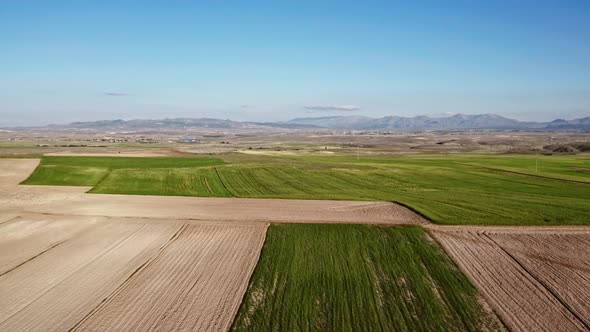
x,y
76,261
534,279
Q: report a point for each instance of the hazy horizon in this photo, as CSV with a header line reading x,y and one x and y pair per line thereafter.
x,y
265,61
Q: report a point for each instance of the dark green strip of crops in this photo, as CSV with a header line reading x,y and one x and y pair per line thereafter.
x,y
356,278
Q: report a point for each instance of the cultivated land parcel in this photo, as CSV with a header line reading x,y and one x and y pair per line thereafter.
x,y
97,261
448,189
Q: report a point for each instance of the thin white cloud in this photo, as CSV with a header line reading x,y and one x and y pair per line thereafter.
x,y
116,94
332,108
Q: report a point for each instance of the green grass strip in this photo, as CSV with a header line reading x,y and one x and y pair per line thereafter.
x,y
356,278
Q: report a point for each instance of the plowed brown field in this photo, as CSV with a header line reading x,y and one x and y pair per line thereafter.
x,y
163,274
23,238
534,281
195,284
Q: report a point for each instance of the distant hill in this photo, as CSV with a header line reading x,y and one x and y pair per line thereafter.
x,y
352,122
457,121
179,124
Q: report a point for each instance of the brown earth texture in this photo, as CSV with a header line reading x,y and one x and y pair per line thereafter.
x,y
90,262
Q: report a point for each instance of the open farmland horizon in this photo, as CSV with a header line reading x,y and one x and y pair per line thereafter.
x,y
297,166
269,239
447,189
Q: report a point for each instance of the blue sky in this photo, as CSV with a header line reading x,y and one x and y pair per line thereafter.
x,y
63,61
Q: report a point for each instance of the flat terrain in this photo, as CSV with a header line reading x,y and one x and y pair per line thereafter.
x,y
448,189
195,284
116,274
535,280
82,267
63,201
71,260
357,278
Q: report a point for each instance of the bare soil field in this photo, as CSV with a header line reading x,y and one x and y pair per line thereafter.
x,y
201,269
534,280
195,284
24,237
73,201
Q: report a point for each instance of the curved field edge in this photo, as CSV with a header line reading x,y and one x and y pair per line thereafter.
x,y
444,189
358,277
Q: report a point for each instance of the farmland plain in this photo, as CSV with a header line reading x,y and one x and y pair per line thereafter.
x,y
309,276
447,189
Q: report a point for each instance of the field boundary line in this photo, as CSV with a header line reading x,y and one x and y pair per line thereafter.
x,y
557,297
250,277
31,258
499,170
126,282
10,220
106,174
430,232
427,218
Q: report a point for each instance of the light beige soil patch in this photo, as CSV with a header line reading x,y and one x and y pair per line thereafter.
x,y
25,284
102,270
195,284
233,209
517,296
13,171
26,237
559,262
13,198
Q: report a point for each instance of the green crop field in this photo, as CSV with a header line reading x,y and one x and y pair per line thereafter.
x,y
448,189
89,171
356,278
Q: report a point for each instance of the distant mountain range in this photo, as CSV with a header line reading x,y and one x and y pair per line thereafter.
x,y
457,121
353,122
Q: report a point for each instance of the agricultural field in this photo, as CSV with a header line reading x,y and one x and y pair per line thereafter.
x,y
447,189
121,274
89,171
534,280
209,261
357,278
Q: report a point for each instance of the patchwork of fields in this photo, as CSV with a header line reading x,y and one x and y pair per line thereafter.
x,y
492,190
75,261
